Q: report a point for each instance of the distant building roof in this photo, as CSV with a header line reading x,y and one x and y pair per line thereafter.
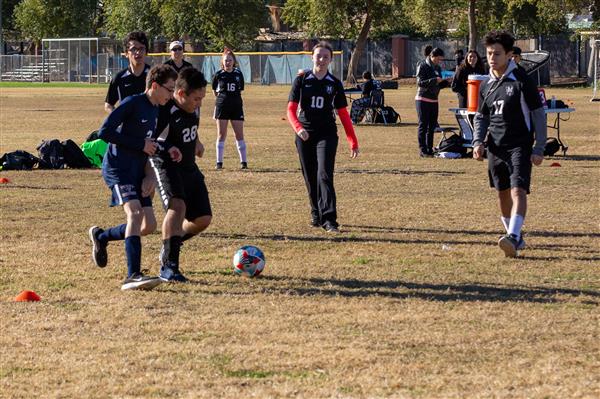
x,y
265,35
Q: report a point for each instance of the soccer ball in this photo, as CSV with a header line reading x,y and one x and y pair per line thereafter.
x,y
248,261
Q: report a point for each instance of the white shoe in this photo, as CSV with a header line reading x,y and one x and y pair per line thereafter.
x,y
140,282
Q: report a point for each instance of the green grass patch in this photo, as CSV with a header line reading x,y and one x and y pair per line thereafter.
x,y
49,85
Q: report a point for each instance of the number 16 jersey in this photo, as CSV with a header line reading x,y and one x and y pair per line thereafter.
x,y
318,99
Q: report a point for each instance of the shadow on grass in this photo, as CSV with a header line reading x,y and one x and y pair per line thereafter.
x,y
443,173
579,158
471,292
5,187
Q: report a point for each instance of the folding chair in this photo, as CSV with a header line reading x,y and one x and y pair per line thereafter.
x,y
375,107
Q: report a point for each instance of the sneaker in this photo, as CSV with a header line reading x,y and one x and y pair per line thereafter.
x,y
314,221
331,228
219,165
521,244
243,165
509,244
99,254
171,274
425,155
138,281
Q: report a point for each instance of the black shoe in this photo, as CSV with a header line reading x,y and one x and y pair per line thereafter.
x,y
509,244
99,254
314,221
219,165
138,281
426,155
331,227
243,165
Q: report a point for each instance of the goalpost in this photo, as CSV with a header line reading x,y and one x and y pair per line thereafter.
x,y
595,45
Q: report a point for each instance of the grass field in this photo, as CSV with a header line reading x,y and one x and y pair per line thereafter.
x,y
412,300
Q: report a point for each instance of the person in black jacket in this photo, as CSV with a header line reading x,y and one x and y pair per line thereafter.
x,y
429,84
472,65
357,112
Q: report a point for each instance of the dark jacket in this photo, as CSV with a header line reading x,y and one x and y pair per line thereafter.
x,y
427,85
459,83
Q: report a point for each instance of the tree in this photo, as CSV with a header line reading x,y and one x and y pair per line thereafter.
x,y
124,16
349,19
39,19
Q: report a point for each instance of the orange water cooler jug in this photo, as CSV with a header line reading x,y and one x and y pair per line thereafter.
x,y
473,83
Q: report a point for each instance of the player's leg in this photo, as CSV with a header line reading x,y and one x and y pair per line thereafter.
x,y
307,153
149,221
326,150
422,128
506,205
220,144
433,110
238,129
172,238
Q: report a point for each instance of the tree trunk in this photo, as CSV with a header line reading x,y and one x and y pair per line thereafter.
x,y
361,41
472,26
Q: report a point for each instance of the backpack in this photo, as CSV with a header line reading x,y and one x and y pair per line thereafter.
x,y
73,156
552,146
18,160
452,143
51,154
391,116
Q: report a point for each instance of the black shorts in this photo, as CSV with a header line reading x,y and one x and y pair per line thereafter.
x,y
509,168
230,112
184,183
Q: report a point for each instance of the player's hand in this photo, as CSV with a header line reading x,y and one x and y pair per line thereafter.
x,y
354,153
537,159
175,154
303,134
150,146
439,80
148,186
478,152
199,149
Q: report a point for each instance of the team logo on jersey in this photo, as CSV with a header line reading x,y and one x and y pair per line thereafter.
x,y
237,79
509,91
329,89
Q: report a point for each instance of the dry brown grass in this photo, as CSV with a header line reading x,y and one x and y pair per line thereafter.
x,y
379,311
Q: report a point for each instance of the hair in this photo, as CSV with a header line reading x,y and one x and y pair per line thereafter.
x,y
459,51
427,50
160,74
367,75
325,45
437,52
503,38
226,52
189,80
516,50
137,36
478,64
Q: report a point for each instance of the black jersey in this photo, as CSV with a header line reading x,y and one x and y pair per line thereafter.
x,y
228,86
507,101
180,129
126,84
318,99
172,64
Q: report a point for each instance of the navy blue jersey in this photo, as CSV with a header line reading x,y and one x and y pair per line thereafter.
x,y
180,129
172,64
126,129
507,101
126,84
318,99
229,86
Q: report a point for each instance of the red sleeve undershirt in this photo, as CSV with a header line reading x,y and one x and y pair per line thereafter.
x,y
292,116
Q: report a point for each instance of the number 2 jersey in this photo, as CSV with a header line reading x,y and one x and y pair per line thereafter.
x,y
180,129
318,99
507,102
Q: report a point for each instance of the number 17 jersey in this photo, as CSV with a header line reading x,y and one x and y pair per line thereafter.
x,y
318,99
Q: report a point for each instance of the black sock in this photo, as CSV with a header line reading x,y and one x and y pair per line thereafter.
x,y
172,247
187,236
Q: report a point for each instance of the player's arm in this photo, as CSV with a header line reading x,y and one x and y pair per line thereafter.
x,y
109,108
215,84
340,103
109,133
292,108
538,120
112,96
481,122
241,81
422,79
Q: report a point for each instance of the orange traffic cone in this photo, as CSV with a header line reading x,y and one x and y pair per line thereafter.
x,y
555,165
27,296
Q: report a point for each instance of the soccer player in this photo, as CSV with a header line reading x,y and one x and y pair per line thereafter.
x,y
319,95
429,84
176,61
227,86
510,111
181,184
131,80
129,130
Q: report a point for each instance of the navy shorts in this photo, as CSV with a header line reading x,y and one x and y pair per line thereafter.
x,y
122,193
509,168
230,112
186,183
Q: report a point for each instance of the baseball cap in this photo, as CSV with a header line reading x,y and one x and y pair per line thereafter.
x,y
175,44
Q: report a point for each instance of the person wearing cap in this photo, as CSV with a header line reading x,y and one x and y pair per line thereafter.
x,y
176,61
517,54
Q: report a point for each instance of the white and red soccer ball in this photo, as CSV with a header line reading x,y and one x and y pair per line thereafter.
x,y
248,261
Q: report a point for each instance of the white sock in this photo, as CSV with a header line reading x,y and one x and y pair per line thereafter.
x,y
505,222
220,150
241,147
515,225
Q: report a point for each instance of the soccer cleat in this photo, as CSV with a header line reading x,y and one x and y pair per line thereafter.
x,y
138,281
331,228
99,254
170,273
219,166
509,244
243,165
